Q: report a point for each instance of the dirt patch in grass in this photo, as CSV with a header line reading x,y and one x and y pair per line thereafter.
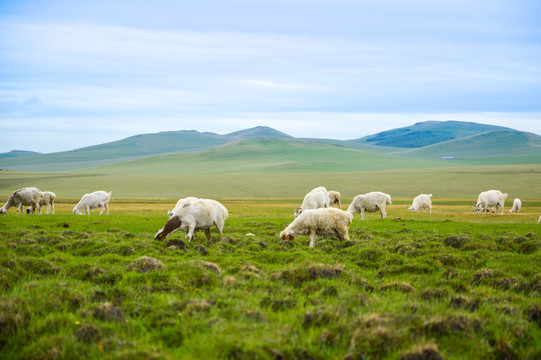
x,y
455,241
451,324
404,287
88,333
462,302
425,352
108,312
534,314
145,264
300,274
207,265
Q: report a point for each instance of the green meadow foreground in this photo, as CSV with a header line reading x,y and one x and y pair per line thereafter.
x,y
414,285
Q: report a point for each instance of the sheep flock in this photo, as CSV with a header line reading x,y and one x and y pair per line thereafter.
x,y
319,216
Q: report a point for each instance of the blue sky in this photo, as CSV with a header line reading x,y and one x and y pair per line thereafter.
x,y
75,74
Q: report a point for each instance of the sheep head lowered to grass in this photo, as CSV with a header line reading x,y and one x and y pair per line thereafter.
x,y
324,222
201,214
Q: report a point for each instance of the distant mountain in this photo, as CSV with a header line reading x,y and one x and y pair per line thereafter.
x,y
427,133
17,154
487,144
259,132
134,147
430,140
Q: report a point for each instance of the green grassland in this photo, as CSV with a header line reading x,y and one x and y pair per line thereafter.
x,y
285,169
450,283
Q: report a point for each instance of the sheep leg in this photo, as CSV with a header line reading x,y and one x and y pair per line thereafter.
x,y
383,213
88,210
107,207
220,228
207,234
189,235
312,239
52,205
362,213
19,209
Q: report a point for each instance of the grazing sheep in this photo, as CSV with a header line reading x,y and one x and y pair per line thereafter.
x,y
422,201
315,199
180,203
46,198
370,202
490,198
517,204
93,200
323,222
201,214
334,198
27,196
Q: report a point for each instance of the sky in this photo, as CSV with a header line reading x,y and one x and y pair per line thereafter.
x,y
75,74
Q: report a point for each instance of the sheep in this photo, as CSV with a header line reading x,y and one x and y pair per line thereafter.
x,y
422,201
315,199
46,198
488,199
334,197
370,202
517,204
323,222
93,200
201,214
180,203
27,196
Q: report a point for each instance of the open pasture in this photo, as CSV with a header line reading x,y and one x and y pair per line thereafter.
x,y
450,283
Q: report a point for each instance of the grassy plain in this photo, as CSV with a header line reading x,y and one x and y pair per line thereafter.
x,y
459,182
415,284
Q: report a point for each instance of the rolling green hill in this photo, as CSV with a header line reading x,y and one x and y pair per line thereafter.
x,y
17,153
491,144
133,147
264,156
427,133
466,141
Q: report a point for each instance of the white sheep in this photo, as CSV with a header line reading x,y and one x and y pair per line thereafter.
x,y
315,199
487,199
93,200
319,223
46,199
517,205
27,196
334,198
422,201
181,202
201,214
370,202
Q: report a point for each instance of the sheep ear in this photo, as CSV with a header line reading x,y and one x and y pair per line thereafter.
x,y
173,223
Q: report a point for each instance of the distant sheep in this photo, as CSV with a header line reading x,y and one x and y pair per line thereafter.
x,y
315,199
319,223
46,199
27,196
487,199
517,205
334,198
422,201
201,214
180,203
370,202
92,201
